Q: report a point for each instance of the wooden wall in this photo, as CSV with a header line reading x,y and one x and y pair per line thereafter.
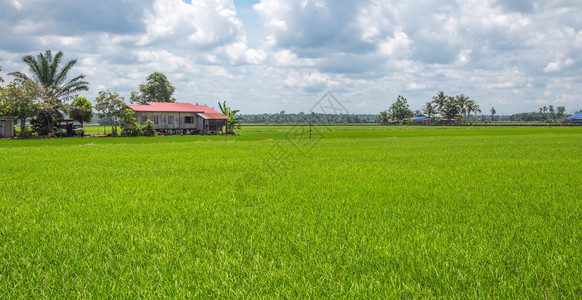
x,y
6,128
168,120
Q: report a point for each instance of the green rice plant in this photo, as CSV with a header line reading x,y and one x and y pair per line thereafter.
x,y
453,213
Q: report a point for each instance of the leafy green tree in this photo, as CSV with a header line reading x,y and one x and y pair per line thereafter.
x,y
156,89
45,70
400,110
493,112
81,110
560,111
129,126
109,106
233,122
384,117
20,100
439,100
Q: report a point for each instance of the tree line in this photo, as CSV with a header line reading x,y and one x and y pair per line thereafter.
x,y
293,118
451,109
461,109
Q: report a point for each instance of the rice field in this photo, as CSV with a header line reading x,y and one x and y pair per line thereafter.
x,y
455,212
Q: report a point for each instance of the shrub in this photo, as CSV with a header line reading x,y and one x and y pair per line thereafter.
x,y
80,131
148,128
135,130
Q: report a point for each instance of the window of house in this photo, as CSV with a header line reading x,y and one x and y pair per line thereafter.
x,y
189,119
170,119
155,119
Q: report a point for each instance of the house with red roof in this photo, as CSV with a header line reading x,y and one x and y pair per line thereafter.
x,y
180,116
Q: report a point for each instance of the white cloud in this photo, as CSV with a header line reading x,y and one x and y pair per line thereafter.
x,y
367,52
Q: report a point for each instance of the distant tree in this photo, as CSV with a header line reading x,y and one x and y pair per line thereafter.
x,y
233,121
109,106
430,109
399,110
461,101
560,111
439,100
156,89
451,109
384,117
493,112
45,71
81,110
472,106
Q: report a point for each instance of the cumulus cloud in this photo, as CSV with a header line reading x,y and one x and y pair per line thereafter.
x,y
500,52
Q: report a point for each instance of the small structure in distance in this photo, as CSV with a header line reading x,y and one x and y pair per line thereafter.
x,y
574,119
6,127
199,119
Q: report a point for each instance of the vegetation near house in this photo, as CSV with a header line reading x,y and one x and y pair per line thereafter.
x,y
19,99
233,122
109,106
81,110
156,89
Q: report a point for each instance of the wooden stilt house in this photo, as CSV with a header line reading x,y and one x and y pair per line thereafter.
x,y
180,116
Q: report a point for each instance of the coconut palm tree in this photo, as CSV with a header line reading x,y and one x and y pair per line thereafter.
x,y
472,106
429,109
440,100
45,70
462,103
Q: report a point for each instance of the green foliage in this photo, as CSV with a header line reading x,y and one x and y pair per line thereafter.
x,y
81,110
110,106
451,110
45,70
157,89
414,213
148,128
79,131
19,99
384,117
233,121
399,110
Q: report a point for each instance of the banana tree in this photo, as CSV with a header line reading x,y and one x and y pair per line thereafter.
x,y
232,122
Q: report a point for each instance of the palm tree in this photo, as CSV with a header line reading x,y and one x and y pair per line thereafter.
x,y
472,106
462,103
440,100
451,109
429,109
232,122
45,70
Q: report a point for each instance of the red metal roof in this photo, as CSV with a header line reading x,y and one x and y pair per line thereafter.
x,y
174,107
209,116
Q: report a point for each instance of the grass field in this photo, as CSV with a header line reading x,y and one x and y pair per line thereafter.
x,y
450,212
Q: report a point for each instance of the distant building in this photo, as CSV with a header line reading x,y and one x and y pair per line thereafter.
x,y
577,118
6,127
180,116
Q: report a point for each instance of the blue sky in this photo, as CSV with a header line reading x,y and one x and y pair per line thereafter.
x,y
273,55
